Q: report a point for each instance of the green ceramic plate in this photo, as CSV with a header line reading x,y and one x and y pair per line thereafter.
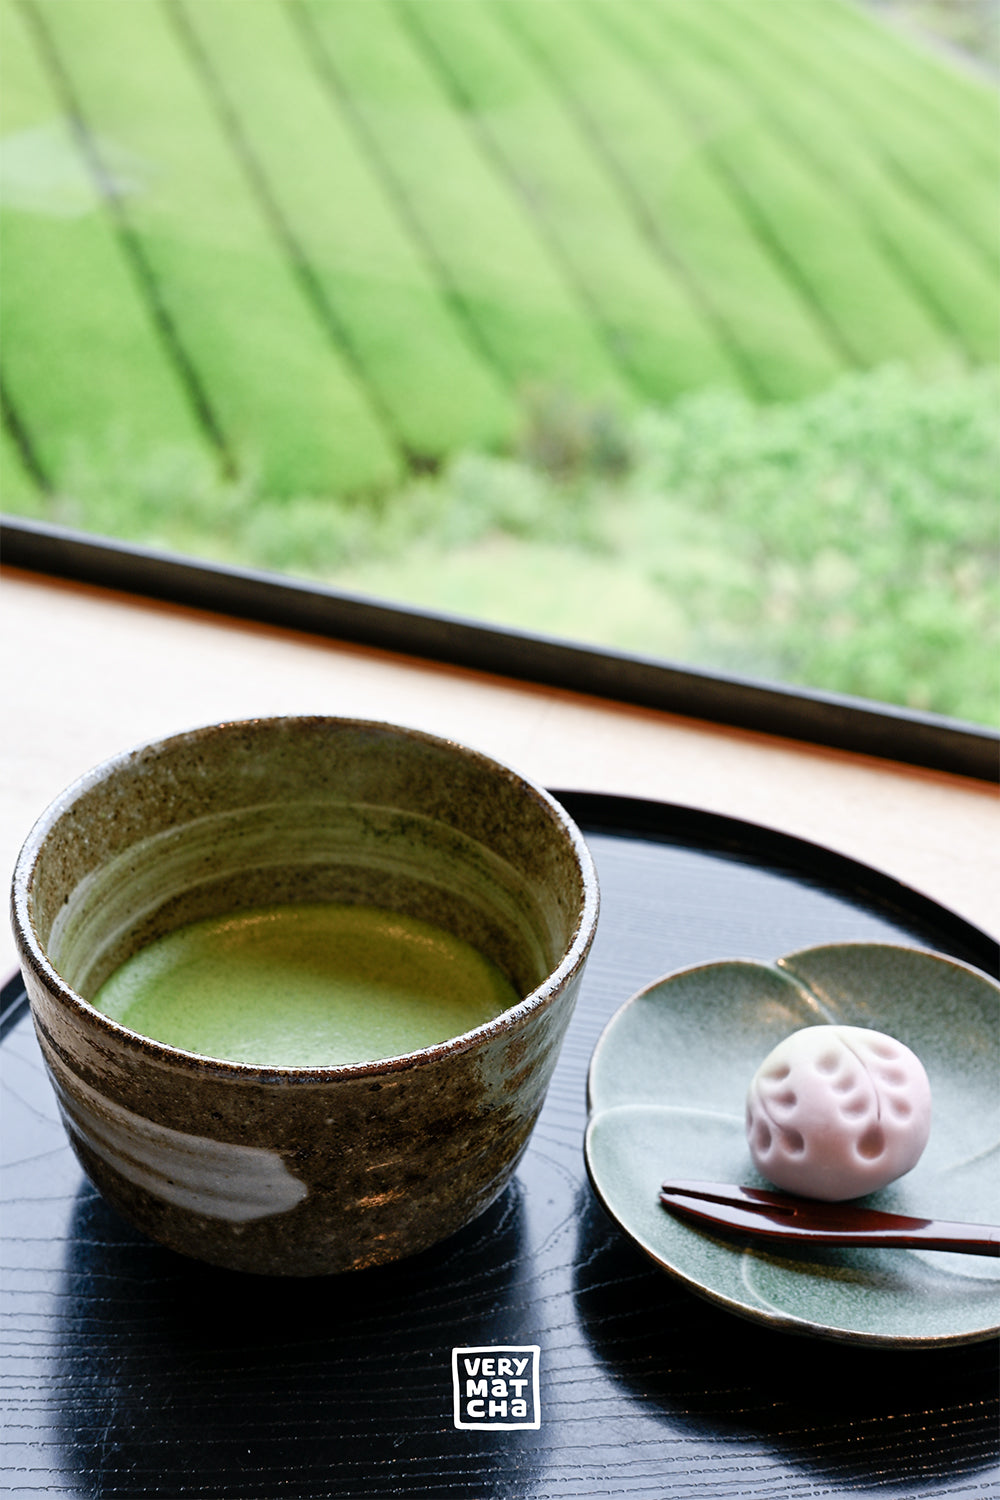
x,y
666,1089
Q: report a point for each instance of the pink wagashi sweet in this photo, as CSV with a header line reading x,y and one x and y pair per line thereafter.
x,y
834,1112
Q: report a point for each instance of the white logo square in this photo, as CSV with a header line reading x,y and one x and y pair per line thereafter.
x,y
497,1386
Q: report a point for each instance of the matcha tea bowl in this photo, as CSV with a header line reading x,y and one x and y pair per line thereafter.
x,y
300,984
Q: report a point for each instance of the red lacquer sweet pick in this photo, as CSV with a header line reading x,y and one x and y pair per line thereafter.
x,y
758,1211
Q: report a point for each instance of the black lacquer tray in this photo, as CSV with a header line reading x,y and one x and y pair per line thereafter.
x,y
129,1371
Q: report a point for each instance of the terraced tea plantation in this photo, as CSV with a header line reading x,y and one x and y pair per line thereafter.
x,y
268,265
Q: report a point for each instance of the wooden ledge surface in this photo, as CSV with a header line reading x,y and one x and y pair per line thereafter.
x,y
89,672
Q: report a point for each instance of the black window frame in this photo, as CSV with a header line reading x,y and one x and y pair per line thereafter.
x,y
836,721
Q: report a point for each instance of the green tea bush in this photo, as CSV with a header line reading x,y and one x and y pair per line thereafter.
x,y
847,541
862,528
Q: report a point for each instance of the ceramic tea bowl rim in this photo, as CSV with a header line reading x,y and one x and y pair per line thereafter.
x,y
33,954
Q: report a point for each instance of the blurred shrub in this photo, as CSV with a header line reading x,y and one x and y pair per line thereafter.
x,y
847,541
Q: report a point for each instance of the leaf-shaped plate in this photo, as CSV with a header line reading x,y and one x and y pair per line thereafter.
x,y
666,1090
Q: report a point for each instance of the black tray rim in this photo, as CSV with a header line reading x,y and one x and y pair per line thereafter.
x,y
760,844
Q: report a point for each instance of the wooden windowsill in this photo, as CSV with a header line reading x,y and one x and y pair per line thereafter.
x,y
90,672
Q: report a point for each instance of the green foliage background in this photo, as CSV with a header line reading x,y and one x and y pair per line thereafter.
x,y
664,324
847,540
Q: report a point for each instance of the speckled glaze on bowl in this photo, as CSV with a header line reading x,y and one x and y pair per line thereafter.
x,y
301,1171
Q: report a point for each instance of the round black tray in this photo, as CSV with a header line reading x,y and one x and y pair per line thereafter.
x,y
129,1371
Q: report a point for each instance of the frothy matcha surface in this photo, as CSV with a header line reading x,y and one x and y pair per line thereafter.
x,y
305,986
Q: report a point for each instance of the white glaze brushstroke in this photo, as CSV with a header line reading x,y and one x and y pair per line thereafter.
x,y
219,1179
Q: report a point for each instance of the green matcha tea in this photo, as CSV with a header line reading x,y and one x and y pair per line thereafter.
x,y
305,986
